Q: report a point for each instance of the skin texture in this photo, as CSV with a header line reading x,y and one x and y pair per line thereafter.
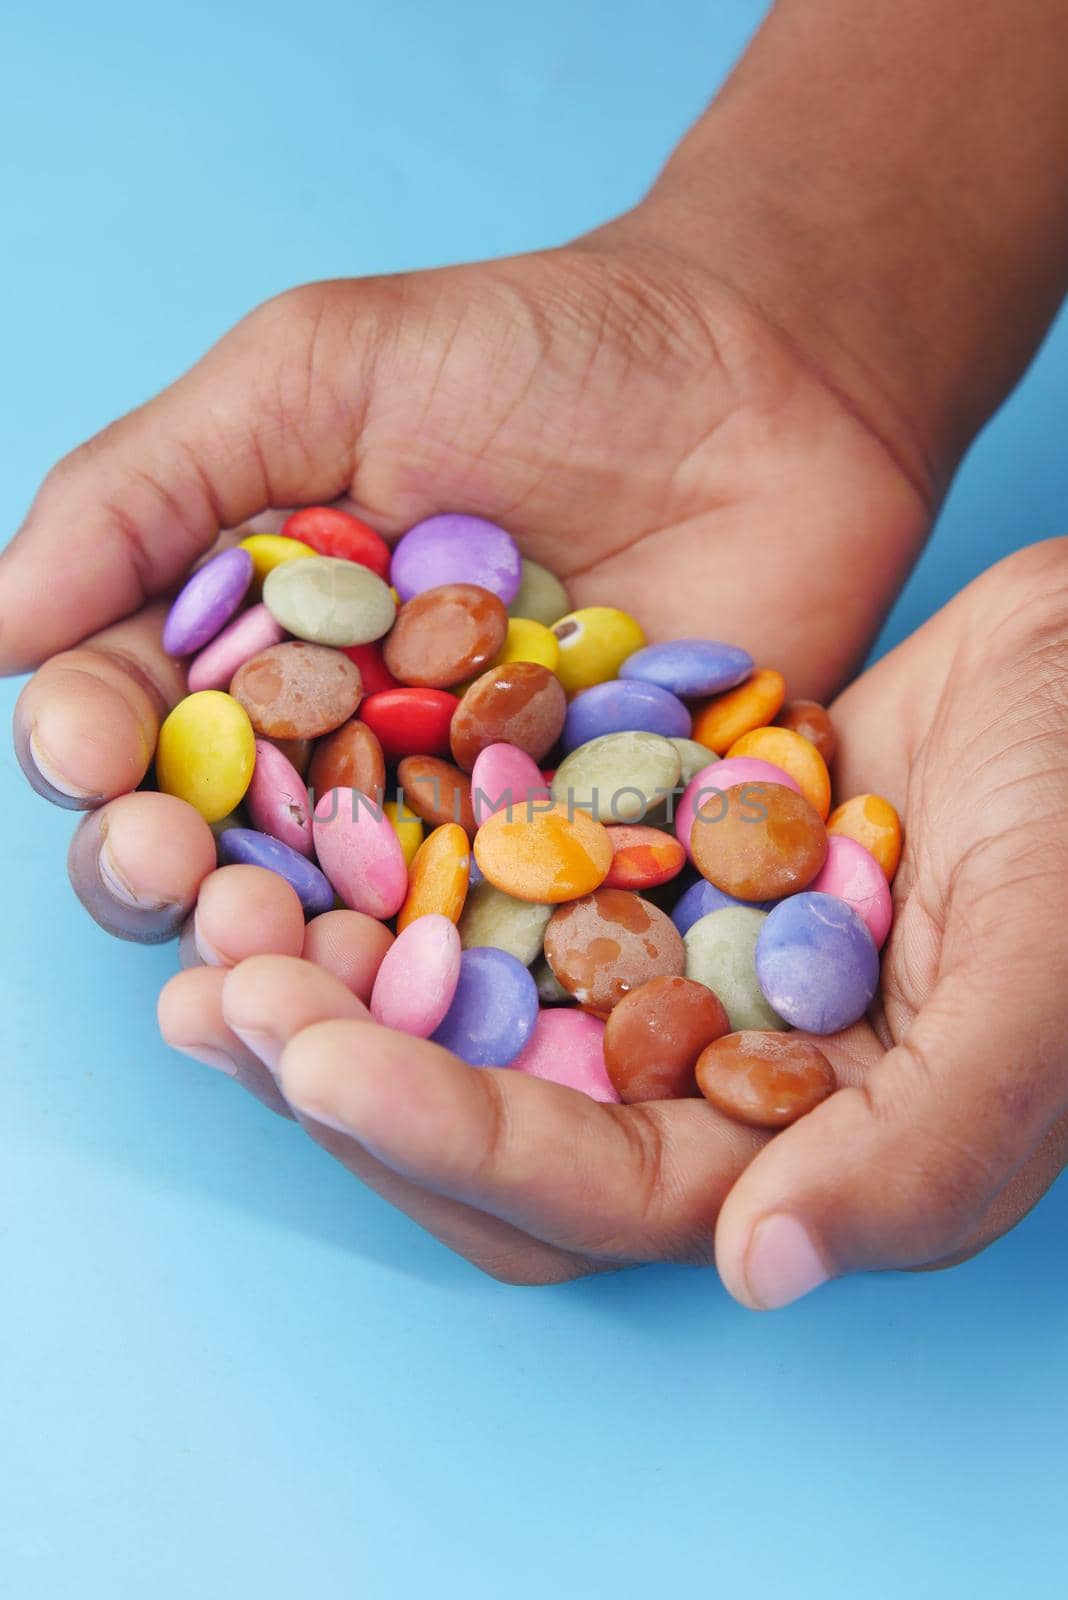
x,y
724,369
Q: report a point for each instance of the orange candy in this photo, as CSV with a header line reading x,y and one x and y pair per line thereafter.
x,y
438,877
756,702
544,854
643,857
794,755
872,822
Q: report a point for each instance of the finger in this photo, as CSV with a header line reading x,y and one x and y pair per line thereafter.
x,y
190,1018
351,946
267,1001
246,911
86,724
902,1170
259,422
137,864
628,1183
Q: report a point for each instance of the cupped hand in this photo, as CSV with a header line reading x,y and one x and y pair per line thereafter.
x,y
642,430
953,1115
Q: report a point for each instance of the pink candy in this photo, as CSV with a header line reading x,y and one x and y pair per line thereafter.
x,y
853,875
277,799
568,1047
360,853
724,775
254,630
504,775
418,976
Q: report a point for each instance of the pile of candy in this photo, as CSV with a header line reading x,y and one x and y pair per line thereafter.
x,y
644,917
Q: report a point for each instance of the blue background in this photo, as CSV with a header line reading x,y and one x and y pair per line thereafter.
x,y
224,1369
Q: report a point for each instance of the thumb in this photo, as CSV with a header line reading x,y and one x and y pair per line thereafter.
x,y
264,419
900,1170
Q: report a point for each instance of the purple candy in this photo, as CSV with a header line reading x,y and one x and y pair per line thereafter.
x,y
689,666
624,707
816,963
207,602
702,898
493,1011
254,849
455,548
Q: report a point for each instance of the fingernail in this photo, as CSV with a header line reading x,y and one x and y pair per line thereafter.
x,y
205,949
210,1056
782,1263
118,885
106,892
263,1045
45,777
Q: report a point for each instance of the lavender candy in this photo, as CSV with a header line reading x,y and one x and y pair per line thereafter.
x,y
816,962
690,666
493,1011
455,548
624,707
254,849
702,898
207,602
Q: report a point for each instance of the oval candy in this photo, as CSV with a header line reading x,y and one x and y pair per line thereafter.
x,y
521,704
594,643
503,777
410,722
656,1033
527,640
793,754
249,633
758,841
812,721
408,828
753,704
297,690
567,1047
642,858
766,1080
816,963
618,777
438,877
254,849
491,917
360,853
416,983
720,953
456,548
853,874
329,602
624,706
330,531
702,898
445,635
206,752
872,822
436,791
277,800
374,673
543,854
609,942
207,601
493,1011
541,596
269,550
349,758
714,780
690,666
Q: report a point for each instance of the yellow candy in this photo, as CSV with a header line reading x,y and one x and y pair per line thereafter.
x,y
270,550
439,875
528,641
594,643
408,828
794,754
756,702
872,822
206,753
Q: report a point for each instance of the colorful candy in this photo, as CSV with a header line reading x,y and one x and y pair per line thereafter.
x,y
610,942
329,602
853,874
753,704
206,752
455,548
594,643
656,1033
792,754
545,854
416,983
249,633
643,858
721,953
812,722
504,777
758,841
297,690
493,1012
816,963
436,791
567,1047
872,822
410,722
690,666
618,777
624,706
540,596
207,602
444,635
360,853
277,799
527,640
270,550
491,917
349,758
332,532
252,849
438,876
715,779
767,1080
520,703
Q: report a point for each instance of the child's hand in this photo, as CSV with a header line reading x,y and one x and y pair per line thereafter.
x,y
956,1116
643,433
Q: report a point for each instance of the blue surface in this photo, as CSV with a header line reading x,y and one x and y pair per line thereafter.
x,y
224,1369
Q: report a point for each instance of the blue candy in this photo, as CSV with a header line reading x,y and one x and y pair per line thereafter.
x,y
493,1011
253,849
689,666
816,963
702,898
624,707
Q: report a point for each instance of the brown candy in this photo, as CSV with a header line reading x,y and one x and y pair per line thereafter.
x,y
298,751
297,690
758,841
349,758
811,721
518,703
611,942
654,1036
445,635
437,792
765,1079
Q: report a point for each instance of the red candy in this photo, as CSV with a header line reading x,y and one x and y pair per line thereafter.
x,y
374,673
339,534
643,857
410,722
